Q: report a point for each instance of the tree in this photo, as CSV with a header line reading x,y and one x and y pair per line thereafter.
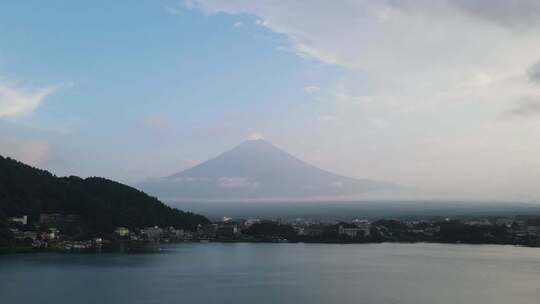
x,y
101,204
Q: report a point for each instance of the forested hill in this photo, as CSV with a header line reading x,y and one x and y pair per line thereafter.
x,y
101,204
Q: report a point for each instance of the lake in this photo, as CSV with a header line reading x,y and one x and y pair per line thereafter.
x,y
279,273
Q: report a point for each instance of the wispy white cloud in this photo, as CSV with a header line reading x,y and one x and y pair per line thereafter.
x,y
236,183
311,89
16,100
256,136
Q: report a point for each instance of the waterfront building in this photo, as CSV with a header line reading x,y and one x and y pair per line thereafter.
x,y
50,234
249,222
152,232
209,231
25,235
482,222
175,233
227,231
121,231
349,231
22,219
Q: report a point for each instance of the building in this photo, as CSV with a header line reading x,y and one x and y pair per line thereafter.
x,y
208,231
30,235
364,226
533,230
121,231
483,222
431,231
313,231
152,232
349,231
227,231
504,222
249,222
50,234
176,233
25,235
23,219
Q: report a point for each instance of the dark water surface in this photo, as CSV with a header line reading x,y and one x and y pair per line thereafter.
x,y
279,273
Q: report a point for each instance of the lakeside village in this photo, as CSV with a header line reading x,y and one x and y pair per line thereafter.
x,y
53,232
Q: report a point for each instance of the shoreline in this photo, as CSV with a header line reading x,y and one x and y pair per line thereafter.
x,y
157,248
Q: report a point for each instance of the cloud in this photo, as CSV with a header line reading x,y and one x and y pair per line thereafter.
x,y
17,101
236,183
311,89
525,108
327,118
379,123
182,179
390,37
410,56
238,24
256,136
337,184
411,72
521,14
534,73
32,152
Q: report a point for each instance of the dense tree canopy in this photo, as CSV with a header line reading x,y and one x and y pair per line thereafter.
x,y
271,229
101,204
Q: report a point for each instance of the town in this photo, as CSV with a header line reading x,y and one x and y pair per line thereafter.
x,y
62,232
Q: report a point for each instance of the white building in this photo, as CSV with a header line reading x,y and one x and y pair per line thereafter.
x,y
23,219
122,231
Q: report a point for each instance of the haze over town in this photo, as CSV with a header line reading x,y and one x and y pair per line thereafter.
x,y
442,96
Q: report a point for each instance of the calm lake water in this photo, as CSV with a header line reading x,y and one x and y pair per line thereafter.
x,y
279,273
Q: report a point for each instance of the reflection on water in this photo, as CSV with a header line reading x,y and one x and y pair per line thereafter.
x,y
279,273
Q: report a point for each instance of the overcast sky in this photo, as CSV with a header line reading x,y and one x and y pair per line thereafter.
x,y
439,95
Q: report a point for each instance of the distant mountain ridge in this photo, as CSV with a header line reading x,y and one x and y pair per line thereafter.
x,y
258,170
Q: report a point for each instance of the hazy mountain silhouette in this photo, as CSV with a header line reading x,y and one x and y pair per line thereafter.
x,y
256,170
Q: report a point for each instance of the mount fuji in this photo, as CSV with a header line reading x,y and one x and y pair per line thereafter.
x,y
257,170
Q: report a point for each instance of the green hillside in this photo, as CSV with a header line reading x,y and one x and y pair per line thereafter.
x,y
101,204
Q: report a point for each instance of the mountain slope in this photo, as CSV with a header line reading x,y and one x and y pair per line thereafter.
x,y
101,204
256,169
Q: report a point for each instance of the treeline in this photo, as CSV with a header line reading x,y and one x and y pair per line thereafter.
x,y
392,231
101,204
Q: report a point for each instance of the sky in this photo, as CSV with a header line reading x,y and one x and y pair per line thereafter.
x,y
443,95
